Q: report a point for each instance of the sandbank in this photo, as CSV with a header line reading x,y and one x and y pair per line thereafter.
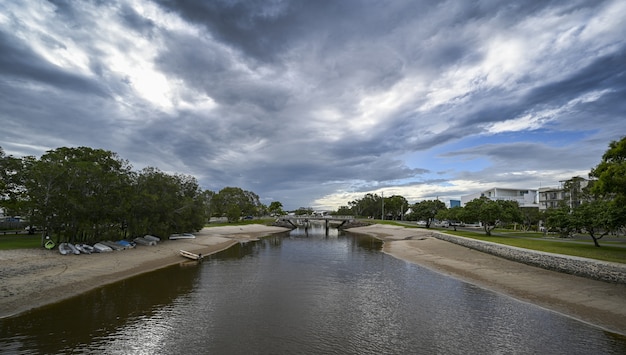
x,y
31,278
599,303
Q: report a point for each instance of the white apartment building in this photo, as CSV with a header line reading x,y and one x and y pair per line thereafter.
x,y
553,197
524,197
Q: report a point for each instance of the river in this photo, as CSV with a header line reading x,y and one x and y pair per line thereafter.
x,y
307,292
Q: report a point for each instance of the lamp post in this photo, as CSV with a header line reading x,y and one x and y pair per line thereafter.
x,y
382,214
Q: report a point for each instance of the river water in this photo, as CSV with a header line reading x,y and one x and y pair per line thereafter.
x,y
308,292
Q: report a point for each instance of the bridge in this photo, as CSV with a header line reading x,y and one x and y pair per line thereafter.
x,y
306,219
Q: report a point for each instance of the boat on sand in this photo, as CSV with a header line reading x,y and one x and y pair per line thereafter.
x,y
182,236
64,249
152,238
190,255
144,241
101,248
84,248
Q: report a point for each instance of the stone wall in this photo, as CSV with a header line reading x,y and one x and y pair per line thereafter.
x,y
590,268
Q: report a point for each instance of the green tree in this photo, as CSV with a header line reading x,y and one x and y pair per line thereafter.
x,y
303,211
427,210
395,206
247,201
492,213
12,190
276,208
453,215
530,217
370,205
598,218
560,219
611,172
605,207
233,213
163,204
206,198
343,211
77,193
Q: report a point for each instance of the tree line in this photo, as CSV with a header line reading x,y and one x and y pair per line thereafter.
x,y
602,209
86,194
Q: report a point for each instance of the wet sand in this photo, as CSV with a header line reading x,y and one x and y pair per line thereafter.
x,y
598,303
31,278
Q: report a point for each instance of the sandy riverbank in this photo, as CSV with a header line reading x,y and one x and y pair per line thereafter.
x,y
31,278
595,302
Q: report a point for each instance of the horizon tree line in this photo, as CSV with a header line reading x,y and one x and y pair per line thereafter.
x,y
602,210
86,194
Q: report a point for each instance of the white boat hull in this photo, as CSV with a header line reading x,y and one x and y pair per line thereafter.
x,y
190,255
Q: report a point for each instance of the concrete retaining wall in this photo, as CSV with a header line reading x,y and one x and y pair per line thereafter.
x,y
593,269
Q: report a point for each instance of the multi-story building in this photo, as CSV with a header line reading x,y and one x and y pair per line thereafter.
x,y
524,197
568,193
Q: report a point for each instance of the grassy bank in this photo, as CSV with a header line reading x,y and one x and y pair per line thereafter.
x,y
584,249
19,241
609,251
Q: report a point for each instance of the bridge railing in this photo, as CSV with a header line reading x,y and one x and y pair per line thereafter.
x,y
342,218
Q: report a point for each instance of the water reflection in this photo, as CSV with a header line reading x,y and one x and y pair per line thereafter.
x,y
78,321
306,292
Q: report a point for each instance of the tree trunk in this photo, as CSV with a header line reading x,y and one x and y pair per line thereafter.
x,y
595,240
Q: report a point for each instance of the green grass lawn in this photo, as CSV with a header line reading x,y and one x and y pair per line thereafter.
x,y
19,241
585,249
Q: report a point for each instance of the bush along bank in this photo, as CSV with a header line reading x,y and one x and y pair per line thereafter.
x,y
589,268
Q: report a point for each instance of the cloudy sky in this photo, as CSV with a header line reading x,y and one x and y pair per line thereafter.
x,y
316,103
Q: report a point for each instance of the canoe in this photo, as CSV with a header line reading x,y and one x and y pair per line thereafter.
x,y
152,238
182,236
101,248
144,241
190,255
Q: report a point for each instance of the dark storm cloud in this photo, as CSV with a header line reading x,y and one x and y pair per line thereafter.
x,y
608,71
19,62
303,100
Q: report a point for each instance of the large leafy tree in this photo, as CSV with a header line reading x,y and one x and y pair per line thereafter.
x,y
12,190
370,205
492,213
77,193
276,208
247,202
530,217
163,204
605,208
395,206
427,211
611,172
598,218
454,215
560,219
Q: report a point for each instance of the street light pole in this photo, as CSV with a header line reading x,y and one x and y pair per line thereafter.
x,y
382,214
